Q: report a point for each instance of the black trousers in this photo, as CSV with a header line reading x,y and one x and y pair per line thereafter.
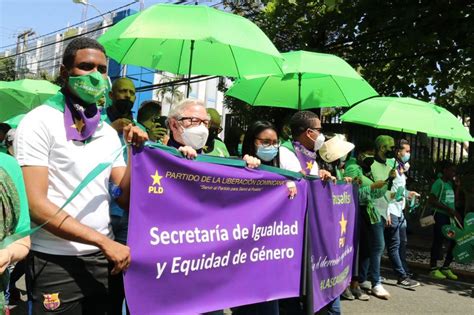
x,y
69,285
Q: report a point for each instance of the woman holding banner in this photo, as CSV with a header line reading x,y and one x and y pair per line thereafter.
x,y
261,140
14,219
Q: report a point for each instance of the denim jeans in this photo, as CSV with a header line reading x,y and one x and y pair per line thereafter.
x,y
370,269
403,244
333,308
392,239
120,227
439,239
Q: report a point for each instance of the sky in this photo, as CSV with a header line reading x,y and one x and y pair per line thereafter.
x,y
45,16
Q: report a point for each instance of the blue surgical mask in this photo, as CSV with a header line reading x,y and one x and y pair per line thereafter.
x,y
266,153
406,157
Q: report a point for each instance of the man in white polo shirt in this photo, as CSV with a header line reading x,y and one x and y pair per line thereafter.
x,y
58,144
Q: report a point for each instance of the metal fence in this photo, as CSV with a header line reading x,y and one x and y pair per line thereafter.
x,y
423,147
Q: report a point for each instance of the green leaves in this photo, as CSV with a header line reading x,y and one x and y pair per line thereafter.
x,y
421,49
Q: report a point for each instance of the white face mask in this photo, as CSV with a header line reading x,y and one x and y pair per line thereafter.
x,y
318,143
195,137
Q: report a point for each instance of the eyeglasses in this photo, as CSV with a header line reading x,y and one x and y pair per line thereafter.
x,y
316,129
194,121
267,143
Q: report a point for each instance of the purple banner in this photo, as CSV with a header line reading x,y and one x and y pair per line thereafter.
x,y
332,214
206,237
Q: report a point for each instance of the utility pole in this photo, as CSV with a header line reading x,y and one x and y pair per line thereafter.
x,y
21,60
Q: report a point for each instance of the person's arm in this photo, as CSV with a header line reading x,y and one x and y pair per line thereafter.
x,y
374,191
14,253
65,226
121,176
434,202
435,194
378,189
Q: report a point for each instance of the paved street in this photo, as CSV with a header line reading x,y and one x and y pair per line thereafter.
x,y
444,297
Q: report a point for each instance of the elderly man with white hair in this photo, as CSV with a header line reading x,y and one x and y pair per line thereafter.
x,y
189,126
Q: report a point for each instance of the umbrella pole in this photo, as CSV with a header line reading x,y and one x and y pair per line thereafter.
x,y
299,90
190,67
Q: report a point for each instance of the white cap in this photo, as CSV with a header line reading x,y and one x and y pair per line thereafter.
x,y
335,148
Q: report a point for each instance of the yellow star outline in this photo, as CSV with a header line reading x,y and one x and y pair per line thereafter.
x,y
156,178
78,124
309,165
343,224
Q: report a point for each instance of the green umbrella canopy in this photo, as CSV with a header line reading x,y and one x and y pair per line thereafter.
x,y
408,115
162,36
310,80
19,97
15,120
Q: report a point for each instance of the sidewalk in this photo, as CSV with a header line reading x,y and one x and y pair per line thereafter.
x,y
418,254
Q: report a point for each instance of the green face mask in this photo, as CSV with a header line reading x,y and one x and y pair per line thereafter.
x,y
89,87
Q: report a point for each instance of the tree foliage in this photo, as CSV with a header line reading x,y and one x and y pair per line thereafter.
x,y
7,69
421,49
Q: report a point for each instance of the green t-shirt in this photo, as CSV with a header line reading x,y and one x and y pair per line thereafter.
x,y
10,165
444,191
220,149
366,194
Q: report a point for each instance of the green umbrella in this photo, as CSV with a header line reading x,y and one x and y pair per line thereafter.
x,y
15,120
311,80
186,39
19,97
408,115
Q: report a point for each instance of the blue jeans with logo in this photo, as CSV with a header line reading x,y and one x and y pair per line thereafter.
x,y
392,238
370,269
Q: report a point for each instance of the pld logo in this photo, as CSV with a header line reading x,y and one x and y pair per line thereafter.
x,y
155,187
343,224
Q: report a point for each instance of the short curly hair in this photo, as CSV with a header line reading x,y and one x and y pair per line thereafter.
x,y
301,121
78,44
